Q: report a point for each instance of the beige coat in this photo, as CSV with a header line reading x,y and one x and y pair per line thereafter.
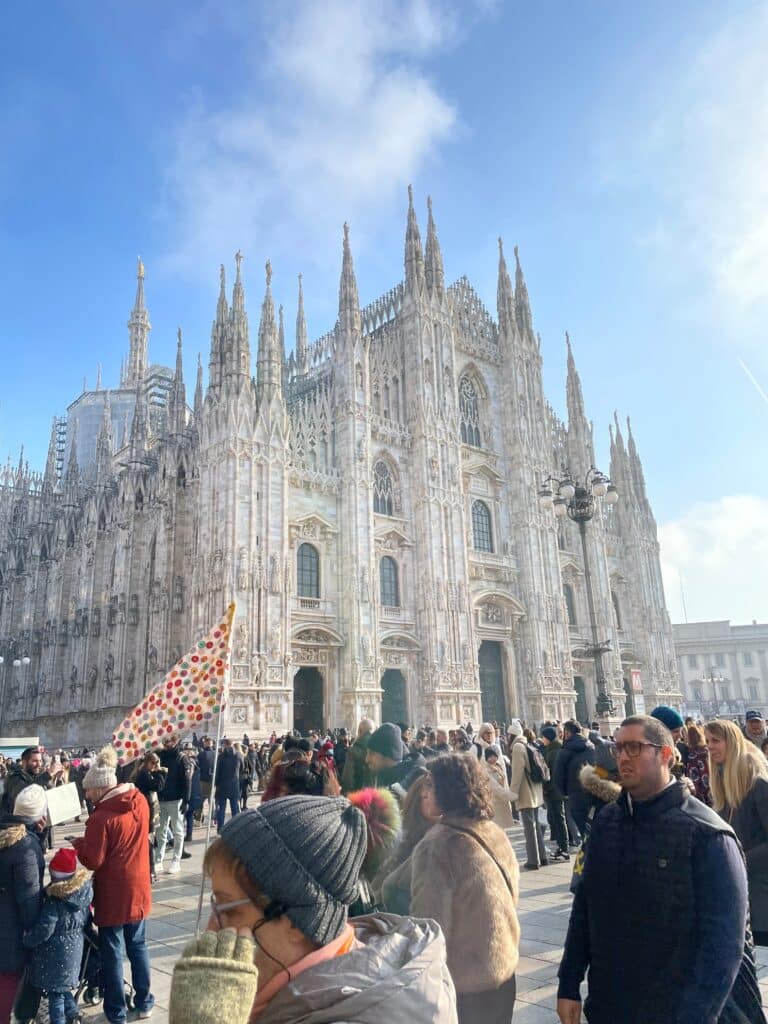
x,y
525,793
502,812
456,883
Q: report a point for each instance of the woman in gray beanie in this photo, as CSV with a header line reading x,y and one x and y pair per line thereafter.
x,y
279,946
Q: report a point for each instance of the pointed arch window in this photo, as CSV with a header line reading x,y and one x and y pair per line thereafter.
x,y
570,603
469,411
482,534
308,571
388,582
383,490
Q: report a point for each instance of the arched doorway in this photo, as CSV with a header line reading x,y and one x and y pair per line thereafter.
x,y
493,699
582,711
307,700
394,700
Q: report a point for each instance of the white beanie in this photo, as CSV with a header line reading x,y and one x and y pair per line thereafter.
x,y
31,803
515,728
103,772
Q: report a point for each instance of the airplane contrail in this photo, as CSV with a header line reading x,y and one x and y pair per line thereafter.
x,y
760,389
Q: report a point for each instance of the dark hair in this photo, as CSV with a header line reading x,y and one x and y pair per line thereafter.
x,y
490,752
461,787
28,752
653,730
572,726
421,735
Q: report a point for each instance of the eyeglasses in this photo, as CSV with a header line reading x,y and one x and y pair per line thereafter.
x,y
221,908
633,748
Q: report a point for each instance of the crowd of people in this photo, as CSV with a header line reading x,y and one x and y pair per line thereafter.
x,y
376,879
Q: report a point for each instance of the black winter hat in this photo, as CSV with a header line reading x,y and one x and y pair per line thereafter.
x,y
387,741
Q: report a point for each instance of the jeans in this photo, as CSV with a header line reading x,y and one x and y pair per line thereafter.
x,y
556,822
61,1007
170,814
111,949
229,792
535,850
574,835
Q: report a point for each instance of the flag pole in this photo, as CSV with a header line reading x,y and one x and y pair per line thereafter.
x,y
212,797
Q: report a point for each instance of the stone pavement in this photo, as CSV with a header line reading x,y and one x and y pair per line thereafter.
x,y
545,904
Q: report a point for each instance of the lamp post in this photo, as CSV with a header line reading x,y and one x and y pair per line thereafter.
x,y
578,502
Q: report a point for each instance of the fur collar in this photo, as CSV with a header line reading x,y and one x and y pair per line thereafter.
x,y
11,835
67,886
594,783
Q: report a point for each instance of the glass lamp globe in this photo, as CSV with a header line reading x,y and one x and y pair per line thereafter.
x,y
611,495
561,507
545,498
599,486
16,663
25,661
567,490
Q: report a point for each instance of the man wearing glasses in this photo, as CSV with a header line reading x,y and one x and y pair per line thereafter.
x,y
658,923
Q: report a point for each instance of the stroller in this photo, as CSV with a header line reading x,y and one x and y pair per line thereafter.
x,y
89,985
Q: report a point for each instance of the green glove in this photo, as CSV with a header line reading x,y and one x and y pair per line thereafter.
x,y
215,980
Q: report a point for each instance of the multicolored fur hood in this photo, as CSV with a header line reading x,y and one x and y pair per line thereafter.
x,y
598,783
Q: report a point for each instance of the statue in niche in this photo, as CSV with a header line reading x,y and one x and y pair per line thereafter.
x,y
84,622
242,641
121,609
93,677
365,590
77,628
130,670
155,595
73,675
152,657
178,594
109,670
164,598
275,580
242,569
133,610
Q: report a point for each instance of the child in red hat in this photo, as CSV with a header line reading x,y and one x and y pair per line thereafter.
x,y
56,939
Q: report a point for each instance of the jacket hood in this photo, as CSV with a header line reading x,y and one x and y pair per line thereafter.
x,y
75,890
597,784
577,743
12,831
122,799
397,973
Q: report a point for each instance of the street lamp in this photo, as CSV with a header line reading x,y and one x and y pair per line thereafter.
x,y
577,501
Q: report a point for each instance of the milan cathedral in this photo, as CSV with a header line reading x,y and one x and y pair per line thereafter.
x,y
370,502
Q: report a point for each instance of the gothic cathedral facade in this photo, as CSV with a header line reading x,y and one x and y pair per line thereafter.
x,y
370,502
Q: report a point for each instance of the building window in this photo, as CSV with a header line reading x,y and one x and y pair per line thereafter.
x,y
753,693
616,609
570,603
697,693
747,658
693,661
390,591
482,538
382,489
469,410
720,660
308,571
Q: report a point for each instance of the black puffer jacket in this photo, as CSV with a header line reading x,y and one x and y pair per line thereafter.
x,y
177,783
575,754
22,866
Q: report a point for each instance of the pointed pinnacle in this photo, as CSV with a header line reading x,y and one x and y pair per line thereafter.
x,y
268,268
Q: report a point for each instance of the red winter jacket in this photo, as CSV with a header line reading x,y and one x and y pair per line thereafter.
x,y
116,848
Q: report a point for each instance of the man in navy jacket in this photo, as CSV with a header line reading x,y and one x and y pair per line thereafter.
x,y
660,917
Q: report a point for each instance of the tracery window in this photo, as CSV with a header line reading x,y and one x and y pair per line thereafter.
x,y
482,536
383,490
390,591
570,603
308,571
469,410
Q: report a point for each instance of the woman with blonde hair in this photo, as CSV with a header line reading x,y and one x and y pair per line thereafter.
x,y
739,786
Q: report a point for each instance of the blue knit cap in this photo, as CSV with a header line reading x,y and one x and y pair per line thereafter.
x,y
668,716
304,852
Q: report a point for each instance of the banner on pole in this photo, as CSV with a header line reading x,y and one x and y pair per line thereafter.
x,y
192,693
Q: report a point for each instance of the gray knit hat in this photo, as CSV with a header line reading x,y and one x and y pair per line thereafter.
x,y
103,772
304,852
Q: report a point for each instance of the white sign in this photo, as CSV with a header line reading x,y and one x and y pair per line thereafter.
x,y
63,804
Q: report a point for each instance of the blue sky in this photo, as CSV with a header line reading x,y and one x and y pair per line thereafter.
x,y
622,147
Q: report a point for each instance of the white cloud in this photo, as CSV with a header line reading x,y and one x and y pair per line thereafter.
x,y
699,147
720,549
340,115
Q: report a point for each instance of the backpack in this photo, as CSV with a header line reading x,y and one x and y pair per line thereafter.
x,y
537,766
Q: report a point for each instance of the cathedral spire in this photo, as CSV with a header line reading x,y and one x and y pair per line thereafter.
x,y
580,448
301,333
238,294
414,257
505,296
349,301
138,328
104,440
281,345
72,472
522,302
636,467
140,424
199,391
433,261
236,356
268,368
222,307
177,406
218,334
51,474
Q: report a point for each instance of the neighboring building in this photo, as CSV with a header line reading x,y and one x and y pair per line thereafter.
x,y
370,502
723,668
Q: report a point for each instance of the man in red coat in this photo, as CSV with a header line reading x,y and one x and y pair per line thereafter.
x,y
116,848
